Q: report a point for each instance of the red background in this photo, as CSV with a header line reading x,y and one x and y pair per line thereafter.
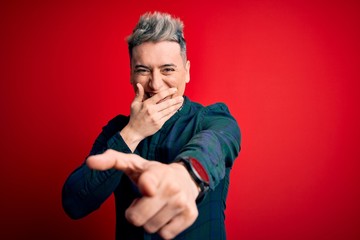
x,y
289,73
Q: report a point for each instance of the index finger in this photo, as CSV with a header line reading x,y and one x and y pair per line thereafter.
x,y
162,95
126,162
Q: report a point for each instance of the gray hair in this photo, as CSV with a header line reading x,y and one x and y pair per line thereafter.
x,y
156,27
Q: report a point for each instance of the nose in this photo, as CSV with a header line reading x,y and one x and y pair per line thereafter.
x,y
156,81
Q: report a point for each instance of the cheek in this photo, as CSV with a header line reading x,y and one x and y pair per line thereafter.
x,y
139,79
174,81
180,85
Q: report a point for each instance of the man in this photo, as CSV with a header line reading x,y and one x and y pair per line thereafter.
x,y
168,163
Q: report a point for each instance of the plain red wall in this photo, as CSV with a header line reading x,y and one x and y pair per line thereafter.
x,y
289,73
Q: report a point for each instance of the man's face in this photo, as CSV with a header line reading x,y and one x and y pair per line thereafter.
x,y
159,66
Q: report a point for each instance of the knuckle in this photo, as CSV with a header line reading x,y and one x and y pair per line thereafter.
x,y
180,202
133,218
167,233
133,104
174,188
148,111
192,214
151,227
109,151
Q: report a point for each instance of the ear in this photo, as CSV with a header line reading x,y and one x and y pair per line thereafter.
x,y
187,68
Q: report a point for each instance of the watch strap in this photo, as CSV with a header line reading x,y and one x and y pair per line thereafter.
x,y
197,173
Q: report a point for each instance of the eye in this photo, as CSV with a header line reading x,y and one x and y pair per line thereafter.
x,y
142,71
168,70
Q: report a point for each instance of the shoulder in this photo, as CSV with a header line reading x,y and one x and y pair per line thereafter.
x,y
218,114
219,106
215,107
119,119
212,112
116,123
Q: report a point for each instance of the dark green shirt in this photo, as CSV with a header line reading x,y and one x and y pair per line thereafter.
x,y
209,134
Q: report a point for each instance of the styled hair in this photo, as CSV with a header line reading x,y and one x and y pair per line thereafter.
x,y
156,27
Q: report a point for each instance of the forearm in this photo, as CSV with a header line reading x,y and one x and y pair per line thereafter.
x,y
85,190
212,154
216,145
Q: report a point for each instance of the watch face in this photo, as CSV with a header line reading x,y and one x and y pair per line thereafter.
x,y
200,170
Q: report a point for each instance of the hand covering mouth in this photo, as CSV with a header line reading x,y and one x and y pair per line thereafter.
x,y
151,94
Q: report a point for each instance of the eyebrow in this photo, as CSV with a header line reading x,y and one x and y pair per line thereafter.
x,y
169,65
165,65
141,66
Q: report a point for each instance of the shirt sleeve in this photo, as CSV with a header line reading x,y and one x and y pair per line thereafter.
x,y
217,143
85,189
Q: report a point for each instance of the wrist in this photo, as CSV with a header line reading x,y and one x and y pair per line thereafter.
x,y
195,185
130,137
198,173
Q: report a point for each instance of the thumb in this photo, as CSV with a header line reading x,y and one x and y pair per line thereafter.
x,y
139,93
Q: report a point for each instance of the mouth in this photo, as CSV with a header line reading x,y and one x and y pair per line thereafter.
x,y
151,94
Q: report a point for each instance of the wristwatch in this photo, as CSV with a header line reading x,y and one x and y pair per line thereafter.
x,y
197,173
